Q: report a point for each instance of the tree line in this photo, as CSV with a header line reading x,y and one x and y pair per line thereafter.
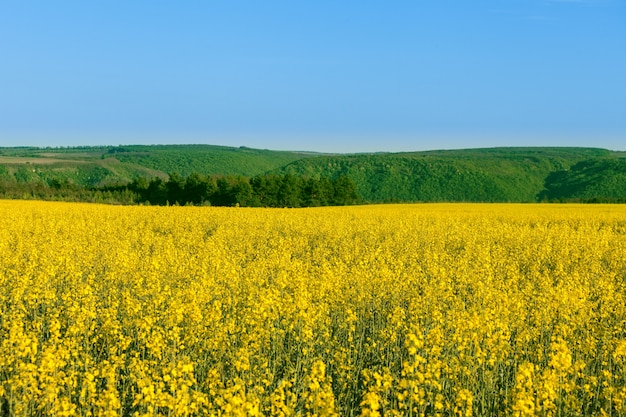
x,y
268,190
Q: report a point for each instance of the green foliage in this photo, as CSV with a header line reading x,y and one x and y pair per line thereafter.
x,y
500,174
4,173
264,191
592,179
103,166
227,176
25,174
204,159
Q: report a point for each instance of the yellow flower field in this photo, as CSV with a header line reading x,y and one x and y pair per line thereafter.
x,y
417,310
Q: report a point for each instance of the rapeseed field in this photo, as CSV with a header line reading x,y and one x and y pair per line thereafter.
x,y
399,310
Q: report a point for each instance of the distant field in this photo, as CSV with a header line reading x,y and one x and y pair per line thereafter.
x,y
430,309
73,155
15,160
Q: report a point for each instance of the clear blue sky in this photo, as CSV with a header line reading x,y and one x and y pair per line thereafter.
x,y
340,75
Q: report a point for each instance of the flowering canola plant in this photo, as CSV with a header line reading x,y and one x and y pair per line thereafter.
x,y
399,310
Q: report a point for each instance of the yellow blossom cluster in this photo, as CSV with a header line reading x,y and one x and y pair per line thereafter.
x,y
399,310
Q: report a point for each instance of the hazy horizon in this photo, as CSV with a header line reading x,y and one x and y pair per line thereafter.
x,y
303,150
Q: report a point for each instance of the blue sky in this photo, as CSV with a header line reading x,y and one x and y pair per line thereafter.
x,y
334,76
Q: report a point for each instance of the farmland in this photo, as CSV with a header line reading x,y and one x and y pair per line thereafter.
x,y
420,310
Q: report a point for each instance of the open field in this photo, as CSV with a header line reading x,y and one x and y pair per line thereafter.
x,y
433,310
12,160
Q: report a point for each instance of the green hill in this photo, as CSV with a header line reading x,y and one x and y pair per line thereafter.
x,y
497,174
205,159
473,175
102,166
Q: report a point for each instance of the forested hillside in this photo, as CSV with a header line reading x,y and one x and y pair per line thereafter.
x,y
204,159
498,174
105,166
592,179
123,173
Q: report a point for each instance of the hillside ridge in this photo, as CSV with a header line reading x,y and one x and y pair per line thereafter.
x,y
499,174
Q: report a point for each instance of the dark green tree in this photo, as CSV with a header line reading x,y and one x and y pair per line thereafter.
x,y
176,189
156,192
345,191
199,189
289,192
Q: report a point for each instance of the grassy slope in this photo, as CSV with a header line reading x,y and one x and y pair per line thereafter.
x,y
97,166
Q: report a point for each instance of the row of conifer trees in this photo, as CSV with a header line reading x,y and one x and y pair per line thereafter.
x,y
260,191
